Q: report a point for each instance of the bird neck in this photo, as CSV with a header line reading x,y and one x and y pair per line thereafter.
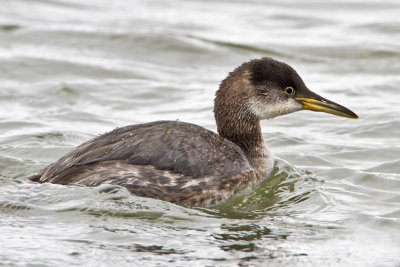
x,y
244,133
234,120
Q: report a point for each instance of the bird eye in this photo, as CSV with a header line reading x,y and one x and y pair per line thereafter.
x,y
289,90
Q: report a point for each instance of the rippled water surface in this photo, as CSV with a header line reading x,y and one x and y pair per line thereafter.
x,y
70,70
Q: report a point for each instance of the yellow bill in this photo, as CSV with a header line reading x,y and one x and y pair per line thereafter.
x,y
327,106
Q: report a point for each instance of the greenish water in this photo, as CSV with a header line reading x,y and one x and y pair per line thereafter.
x,y
70,70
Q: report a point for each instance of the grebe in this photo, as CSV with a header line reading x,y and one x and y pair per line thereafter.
x,y
185,163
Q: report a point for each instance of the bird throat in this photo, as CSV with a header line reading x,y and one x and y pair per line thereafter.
x,y
246,133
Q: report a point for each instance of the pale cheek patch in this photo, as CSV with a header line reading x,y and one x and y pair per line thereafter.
x,y
271,110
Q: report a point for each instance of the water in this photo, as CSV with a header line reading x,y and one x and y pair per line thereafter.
x,y
70,70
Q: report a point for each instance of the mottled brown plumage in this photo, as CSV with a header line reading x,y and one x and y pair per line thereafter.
x,y
187,164
170,160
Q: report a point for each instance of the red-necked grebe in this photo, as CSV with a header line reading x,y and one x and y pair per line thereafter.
x,y
187,164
